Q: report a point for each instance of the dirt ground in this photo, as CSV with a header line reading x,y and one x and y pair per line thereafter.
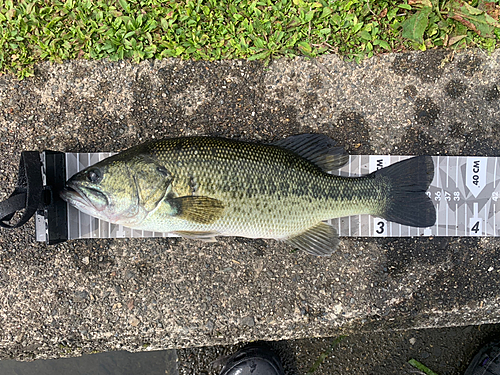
x,y
446,351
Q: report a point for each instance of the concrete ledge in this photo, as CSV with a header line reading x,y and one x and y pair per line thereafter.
x,y
98,295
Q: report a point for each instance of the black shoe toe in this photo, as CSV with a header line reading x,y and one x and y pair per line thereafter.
x,y
487,361
254,359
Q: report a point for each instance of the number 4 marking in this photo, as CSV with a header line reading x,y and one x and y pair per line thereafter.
x,y
476,226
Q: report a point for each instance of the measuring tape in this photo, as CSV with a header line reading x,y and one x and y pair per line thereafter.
x,y
465,191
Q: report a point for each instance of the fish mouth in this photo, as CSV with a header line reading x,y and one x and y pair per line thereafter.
x,y
78,196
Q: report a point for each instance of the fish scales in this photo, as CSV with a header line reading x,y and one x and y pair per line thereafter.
x,y
202,187
267,192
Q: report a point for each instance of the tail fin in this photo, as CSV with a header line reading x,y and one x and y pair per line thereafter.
x,y
409,180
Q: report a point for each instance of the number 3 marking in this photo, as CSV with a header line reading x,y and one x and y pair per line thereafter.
x,y
380,229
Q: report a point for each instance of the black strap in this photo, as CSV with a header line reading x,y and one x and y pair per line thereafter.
x,y
28,193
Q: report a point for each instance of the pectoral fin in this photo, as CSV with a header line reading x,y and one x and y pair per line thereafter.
x,y
320,240
201,236
201,210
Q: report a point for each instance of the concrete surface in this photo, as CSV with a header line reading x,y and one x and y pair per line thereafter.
x,y
89,296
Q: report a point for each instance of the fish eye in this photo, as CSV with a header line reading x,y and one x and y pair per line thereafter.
x,y
94,175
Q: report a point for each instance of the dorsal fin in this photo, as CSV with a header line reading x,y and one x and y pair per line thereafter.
x,y
317,148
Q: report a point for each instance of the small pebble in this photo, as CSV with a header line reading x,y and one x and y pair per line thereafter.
x,y
80,296
133,321
210,325
248,321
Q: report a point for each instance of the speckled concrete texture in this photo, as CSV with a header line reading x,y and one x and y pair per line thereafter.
x,y
90,296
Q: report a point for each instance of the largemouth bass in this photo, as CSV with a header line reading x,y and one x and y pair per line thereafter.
x,y
203,187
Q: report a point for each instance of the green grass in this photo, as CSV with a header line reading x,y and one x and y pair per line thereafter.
x,y
424,370
38,30
317,364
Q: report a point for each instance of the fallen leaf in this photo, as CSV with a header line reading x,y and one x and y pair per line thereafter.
x,y
420,3
455,39
383,13
475,19
491,8
465,22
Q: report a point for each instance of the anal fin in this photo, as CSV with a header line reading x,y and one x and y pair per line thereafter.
x,y
320,240
201,236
